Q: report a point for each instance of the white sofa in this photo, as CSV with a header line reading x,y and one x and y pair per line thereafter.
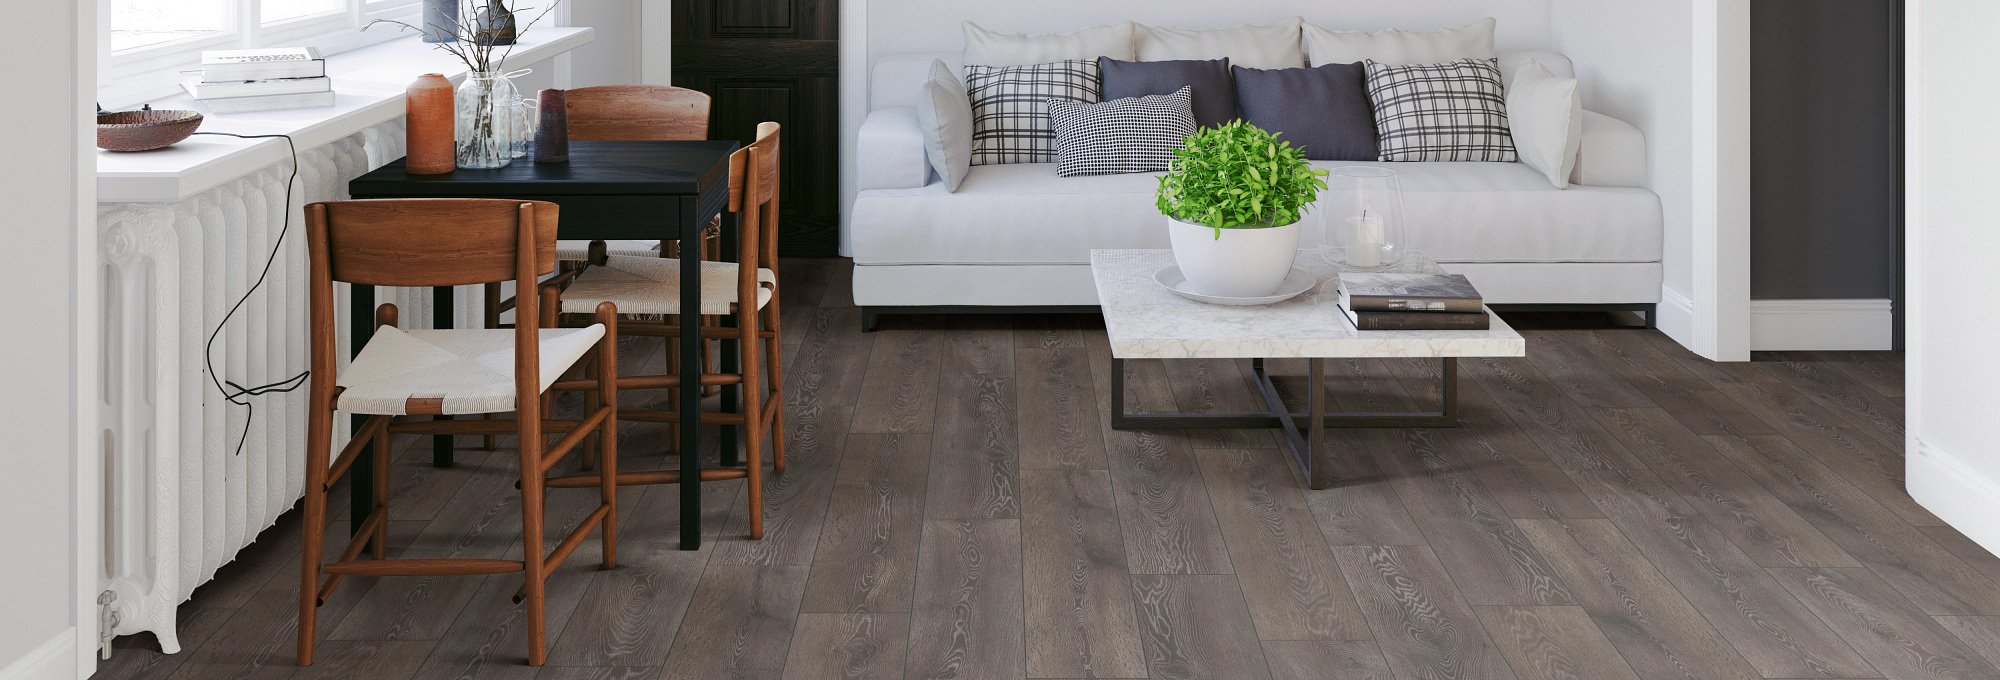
x,y
1019,236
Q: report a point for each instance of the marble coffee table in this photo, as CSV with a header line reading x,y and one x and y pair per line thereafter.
x,y
1146,321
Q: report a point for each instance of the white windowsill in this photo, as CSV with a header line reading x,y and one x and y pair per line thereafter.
x,y
368,88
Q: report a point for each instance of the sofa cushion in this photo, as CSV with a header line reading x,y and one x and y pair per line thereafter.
x,y
994,48
1545,116
1395,46
1213,91
1453,111
1457,212
1010,107
1323,109
1253,45
1134,134
945,117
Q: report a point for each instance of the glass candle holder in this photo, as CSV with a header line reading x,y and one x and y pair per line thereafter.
x,y
1362,214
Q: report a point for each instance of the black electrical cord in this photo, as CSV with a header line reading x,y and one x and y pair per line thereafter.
x,y
234,393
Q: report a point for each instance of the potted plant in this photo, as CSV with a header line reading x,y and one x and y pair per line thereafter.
x,y
1233,195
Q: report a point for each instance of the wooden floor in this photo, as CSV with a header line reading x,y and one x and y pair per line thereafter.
x,y
957,507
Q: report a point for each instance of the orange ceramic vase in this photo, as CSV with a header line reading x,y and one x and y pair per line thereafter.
x,y
429,126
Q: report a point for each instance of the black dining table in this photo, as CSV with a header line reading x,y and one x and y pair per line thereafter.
x,y
609,190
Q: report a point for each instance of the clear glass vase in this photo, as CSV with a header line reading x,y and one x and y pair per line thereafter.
x,y
1362,211
485,133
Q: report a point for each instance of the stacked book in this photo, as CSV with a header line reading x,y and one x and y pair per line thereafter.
x,y
1411,302
237,81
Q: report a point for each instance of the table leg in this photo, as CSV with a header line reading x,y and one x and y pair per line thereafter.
x,y
691,348
361,493
1317,474
441,313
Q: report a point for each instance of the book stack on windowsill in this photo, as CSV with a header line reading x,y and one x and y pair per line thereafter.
x,y
238,81
1412,302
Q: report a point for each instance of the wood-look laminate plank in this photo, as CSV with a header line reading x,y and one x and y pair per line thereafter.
x,y
857,646
1326,659
1898,639
975,455
597,673
1163,507
1466,528
1872,413
1972,554
628,616
1657,631
1217,386
1766,624
1932,577
900,392
1856,457
138,657
794,500
1518,474
1979,633
1196,627
1579,373
1078,593
1692,400
1880,371
372,659
867,555
1553,643
1289,580
967,620
1362,386
1560,426
1422,625
1733,502
1054,331
738,625
1362,507
1058,420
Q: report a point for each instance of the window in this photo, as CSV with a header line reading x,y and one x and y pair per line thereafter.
x,y
145,43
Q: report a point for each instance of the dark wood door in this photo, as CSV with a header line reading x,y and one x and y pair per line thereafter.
x,y
775,60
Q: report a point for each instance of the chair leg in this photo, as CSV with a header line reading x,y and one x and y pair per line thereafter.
x,y
381,482
490,442
319,439
607,389
532,555
753,432
775,368
591,401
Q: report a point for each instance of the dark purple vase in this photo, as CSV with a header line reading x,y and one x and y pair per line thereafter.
x,y
552,129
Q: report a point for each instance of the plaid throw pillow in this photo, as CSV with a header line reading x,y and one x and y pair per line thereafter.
x,y
1135,134
1010,107
1453,111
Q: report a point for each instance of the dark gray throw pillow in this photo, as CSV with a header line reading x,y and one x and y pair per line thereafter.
x,y
1214,95
1324,109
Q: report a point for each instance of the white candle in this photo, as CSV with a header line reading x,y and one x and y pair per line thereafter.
x,y
1364,240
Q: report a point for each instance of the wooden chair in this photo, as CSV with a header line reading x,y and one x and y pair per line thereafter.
x,y
447,242
651,285
633,113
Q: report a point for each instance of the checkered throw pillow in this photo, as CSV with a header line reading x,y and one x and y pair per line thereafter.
x,y
1135,134
1010,107
1453,111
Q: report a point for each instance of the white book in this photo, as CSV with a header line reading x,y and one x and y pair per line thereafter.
x,y
200,89
268,102
264,64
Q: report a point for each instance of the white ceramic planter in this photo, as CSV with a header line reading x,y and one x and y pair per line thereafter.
x,y
1243,263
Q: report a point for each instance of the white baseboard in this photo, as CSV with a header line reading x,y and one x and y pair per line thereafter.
x,y
1676,316
51,660
1955,492
1806,325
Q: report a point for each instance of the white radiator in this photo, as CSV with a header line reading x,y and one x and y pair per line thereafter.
x,y
180,501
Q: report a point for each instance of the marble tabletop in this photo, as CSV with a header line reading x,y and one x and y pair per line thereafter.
x,y
1147,321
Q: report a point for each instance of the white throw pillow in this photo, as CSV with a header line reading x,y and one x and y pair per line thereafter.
x,y
1397,47
1546,113
1265,46
993,48
945,116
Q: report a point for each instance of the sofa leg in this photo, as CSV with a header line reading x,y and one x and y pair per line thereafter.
x,y
1652,316
868,318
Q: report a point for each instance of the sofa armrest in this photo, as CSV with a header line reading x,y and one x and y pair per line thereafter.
x,y
889,152
1612,153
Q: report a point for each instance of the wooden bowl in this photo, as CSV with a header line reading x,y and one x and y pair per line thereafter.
x,y
144,130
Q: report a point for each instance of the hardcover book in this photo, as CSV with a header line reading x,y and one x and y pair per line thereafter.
x,y
1419,321
1391,292
219,66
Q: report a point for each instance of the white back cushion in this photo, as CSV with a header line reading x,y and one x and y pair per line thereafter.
x,y
1248,45
1398,47
1547,119
994,48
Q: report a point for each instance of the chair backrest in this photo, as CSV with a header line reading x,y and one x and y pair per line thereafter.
x,y
753,191
637,112
421,242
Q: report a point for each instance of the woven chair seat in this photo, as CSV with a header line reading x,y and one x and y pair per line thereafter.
x,y
580,250
468,370
652,285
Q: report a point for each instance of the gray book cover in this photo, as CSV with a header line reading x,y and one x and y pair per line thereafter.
x,y
1396,292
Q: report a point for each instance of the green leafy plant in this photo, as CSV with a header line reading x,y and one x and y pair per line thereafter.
x,y
1238,176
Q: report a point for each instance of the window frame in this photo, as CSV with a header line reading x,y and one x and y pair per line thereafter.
x,y
129,77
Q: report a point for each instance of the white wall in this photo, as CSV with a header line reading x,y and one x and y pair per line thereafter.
x,y
1951,249
1679,70
52,323
613,55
